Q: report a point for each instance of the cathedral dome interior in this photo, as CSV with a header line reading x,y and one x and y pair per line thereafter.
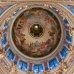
x,y
36,37
36,32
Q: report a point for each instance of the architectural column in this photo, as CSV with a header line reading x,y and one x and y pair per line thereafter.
x,y
30,72
59,71
1,33
47,72
2,54
13,69
63,66
71,51
72,31
2,50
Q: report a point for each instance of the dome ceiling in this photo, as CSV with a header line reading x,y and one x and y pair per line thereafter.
x,y
36,38
36,32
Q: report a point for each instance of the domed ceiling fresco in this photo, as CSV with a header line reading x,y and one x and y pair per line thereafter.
x,y
36,32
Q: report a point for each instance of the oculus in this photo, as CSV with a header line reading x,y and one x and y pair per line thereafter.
x,y
36,30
